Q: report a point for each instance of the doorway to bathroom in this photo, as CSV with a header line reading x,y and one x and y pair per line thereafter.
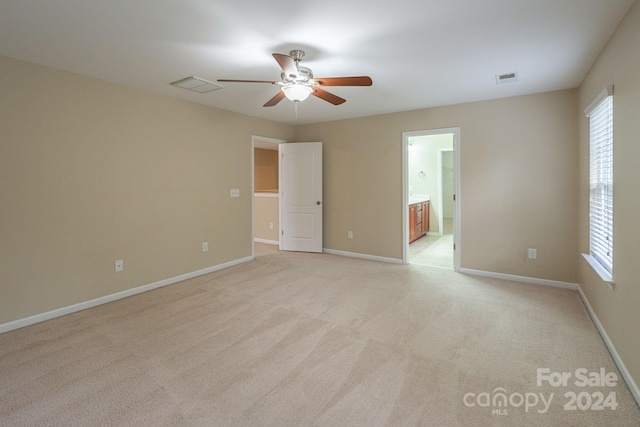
x,y
430,199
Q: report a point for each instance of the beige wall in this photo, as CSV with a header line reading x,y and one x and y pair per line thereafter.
x,y
91,172
266,211
265,169
518,170
618,310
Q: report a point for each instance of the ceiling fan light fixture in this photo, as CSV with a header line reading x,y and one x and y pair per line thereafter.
x,y
296,92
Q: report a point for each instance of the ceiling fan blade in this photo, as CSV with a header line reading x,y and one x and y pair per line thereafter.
x,y
327,96
344,81
288,65
273,101
247,81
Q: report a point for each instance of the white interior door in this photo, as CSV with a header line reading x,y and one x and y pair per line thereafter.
x,y
301,193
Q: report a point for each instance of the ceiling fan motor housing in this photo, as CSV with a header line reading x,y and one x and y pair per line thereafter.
x,y
304,75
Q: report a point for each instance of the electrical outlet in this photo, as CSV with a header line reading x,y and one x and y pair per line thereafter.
x,y
533,253
349,234
234,192
119,265
205,246
270,226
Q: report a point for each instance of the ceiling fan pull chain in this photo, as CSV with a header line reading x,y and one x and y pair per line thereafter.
x,y
295,103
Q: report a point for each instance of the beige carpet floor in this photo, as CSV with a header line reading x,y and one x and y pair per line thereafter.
x,y
295,339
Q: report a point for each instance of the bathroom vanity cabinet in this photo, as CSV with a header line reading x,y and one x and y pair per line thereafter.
x,y
418,220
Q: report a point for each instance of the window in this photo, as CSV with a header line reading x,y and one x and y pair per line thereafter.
x,y
600,114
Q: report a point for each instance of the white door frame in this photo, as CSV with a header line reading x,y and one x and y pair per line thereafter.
x,y
405,194
256,139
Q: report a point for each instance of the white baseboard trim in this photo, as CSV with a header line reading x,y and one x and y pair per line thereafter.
x,y
522,279
37,318
633,386
362,256
270,242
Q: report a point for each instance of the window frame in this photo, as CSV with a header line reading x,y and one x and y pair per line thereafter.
x,y
600,115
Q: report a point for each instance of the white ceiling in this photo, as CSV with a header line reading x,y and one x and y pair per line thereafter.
x,y
419,53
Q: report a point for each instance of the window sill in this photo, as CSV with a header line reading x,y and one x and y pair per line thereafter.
x,y
604,274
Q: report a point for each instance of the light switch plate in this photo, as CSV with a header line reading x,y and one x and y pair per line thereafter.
x,y
235,192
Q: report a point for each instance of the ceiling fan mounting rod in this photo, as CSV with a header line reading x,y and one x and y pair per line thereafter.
x,y
297,55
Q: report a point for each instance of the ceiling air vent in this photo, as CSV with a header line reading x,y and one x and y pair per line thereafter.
x,y
197,84
507,78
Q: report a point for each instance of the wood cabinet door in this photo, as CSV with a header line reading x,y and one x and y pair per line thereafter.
x,y
425,217
412,223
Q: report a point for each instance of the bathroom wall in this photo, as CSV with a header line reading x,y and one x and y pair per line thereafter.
x,y
423,156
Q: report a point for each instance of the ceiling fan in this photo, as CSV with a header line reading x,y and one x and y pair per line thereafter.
x,y
298,82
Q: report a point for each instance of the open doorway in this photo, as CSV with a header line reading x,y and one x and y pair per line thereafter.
x,y
430,212
265,182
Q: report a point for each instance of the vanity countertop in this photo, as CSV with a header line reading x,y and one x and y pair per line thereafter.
x,y
418,198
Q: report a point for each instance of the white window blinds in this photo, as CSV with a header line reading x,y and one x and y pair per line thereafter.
x,y
600,114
